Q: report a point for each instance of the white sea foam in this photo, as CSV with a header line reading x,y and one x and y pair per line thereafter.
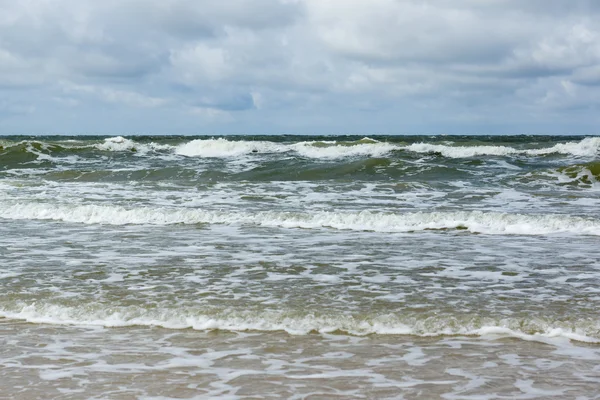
x,y
472,221
587,147
461,151
299,324
119,143
227,148
310,150
234,148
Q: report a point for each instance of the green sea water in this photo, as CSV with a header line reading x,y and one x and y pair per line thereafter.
x,y
299,266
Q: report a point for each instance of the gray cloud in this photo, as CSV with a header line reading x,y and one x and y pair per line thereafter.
x,y
303,65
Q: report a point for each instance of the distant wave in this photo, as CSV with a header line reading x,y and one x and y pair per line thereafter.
x,y
471,221
226,148
301,323
222,147
232,148
372,149
587,147
120,143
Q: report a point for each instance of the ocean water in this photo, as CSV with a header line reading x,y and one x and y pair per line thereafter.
x,y
400,267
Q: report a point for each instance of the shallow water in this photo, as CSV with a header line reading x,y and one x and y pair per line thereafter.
x,y
119,363
256,267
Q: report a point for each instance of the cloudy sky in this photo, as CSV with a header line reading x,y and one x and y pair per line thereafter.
x,y
299,66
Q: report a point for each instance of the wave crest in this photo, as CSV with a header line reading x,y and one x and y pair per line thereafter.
x,y
119,144
362,148
330,149
301,323
471,221
223,148
588,147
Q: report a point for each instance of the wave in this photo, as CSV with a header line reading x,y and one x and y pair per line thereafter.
x,y
471,221
35,152
32,154
312,149
461,151
371,149
18,154
228,148
301,170
582,176
302,323
588,174
119,143
588,147
218,148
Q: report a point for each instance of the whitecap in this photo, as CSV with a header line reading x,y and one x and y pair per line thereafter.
x,y
471,221
223,148
588,147
547,331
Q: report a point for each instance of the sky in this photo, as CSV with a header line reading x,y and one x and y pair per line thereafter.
x,y
299,67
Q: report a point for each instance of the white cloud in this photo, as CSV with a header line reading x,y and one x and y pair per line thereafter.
x,y
111,95
389,30
201,62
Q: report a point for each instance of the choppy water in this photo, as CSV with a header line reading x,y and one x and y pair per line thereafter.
x,y
300,267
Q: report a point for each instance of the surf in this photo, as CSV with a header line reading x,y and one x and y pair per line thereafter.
x,y
494,223
304,323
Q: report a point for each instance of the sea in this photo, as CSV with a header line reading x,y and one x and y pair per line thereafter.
x,y
300,267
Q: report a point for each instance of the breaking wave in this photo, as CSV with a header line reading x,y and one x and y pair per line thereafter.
x,y
587,147
120,143
226,148
471,221
302,323
371,149
312,149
